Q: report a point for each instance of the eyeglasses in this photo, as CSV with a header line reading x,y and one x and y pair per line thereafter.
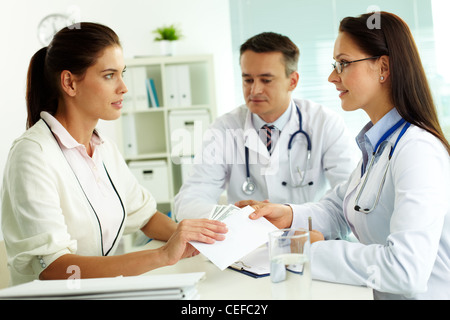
x,y
339,66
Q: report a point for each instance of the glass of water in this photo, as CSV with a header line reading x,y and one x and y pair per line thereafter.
x,y
290,268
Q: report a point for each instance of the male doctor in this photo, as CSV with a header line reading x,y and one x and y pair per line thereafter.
x,y
251,161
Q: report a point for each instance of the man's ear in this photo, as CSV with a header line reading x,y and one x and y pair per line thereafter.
x,y
293,80
68,83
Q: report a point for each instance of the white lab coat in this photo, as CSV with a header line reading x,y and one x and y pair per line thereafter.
x,y
221,164
404,249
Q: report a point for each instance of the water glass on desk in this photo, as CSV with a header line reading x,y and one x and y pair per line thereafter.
x,y
290,268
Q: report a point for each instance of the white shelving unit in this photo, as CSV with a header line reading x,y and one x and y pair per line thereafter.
x,y
154,137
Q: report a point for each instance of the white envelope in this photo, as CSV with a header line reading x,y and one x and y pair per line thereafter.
x,y
244,235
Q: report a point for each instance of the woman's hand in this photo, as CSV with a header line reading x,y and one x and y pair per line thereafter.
x,y
201,230
279,215
134,263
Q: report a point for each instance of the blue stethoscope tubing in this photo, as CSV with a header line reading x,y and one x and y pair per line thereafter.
x,y
376,150
249,187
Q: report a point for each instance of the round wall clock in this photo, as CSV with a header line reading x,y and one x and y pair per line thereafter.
x,y
50,25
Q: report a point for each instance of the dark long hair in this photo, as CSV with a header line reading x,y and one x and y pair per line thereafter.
x,y
410,90
74,48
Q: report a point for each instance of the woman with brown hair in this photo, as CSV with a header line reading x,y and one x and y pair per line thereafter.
x,y
396,201
68,195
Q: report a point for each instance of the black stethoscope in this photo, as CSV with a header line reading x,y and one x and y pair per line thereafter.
x,y
249,187
90,204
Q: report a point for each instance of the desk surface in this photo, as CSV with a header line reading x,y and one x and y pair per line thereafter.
x,y
233,285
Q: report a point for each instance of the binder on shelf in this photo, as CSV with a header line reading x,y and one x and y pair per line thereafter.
x,y
151,93
178,86
184,86
171,86
129,135
186,131
140,99
128,100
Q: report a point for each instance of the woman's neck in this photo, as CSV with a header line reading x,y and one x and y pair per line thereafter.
x,y
379,108
79,127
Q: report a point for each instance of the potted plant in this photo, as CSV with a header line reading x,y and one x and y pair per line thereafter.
x,y
167,37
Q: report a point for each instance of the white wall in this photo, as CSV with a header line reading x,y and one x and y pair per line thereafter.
x,y
205,24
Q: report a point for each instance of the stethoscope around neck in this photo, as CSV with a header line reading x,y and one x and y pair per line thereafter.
x,y
249,187
377,149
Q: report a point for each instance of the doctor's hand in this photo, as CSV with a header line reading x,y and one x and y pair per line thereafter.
x,y
201,230
315,235
279,215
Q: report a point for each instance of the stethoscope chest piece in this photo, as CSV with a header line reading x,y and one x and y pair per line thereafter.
x,y
248,187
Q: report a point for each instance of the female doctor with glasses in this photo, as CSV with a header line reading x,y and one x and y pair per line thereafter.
x,y
396,201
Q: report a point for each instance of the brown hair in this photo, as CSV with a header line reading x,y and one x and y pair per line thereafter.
x,y
410,90
274,42
74,48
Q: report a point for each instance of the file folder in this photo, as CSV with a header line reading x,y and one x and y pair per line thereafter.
x,y
151,287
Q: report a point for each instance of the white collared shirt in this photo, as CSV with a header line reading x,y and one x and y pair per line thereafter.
x,y
93,179
279,124
370,134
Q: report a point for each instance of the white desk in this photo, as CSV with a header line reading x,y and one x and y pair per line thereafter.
x,y
233,285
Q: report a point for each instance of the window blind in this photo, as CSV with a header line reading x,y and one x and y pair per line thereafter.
x,y
313,26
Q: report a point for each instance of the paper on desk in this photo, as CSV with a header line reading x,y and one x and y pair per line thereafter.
x,y
244,235
256,262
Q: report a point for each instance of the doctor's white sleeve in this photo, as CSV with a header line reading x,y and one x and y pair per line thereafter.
x,y
327,214
413,259
207,181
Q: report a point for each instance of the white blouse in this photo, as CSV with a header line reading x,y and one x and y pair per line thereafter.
x,y
93,179
46,213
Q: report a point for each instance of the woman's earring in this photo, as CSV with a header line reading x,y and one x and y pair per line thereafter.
x,y
382,78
